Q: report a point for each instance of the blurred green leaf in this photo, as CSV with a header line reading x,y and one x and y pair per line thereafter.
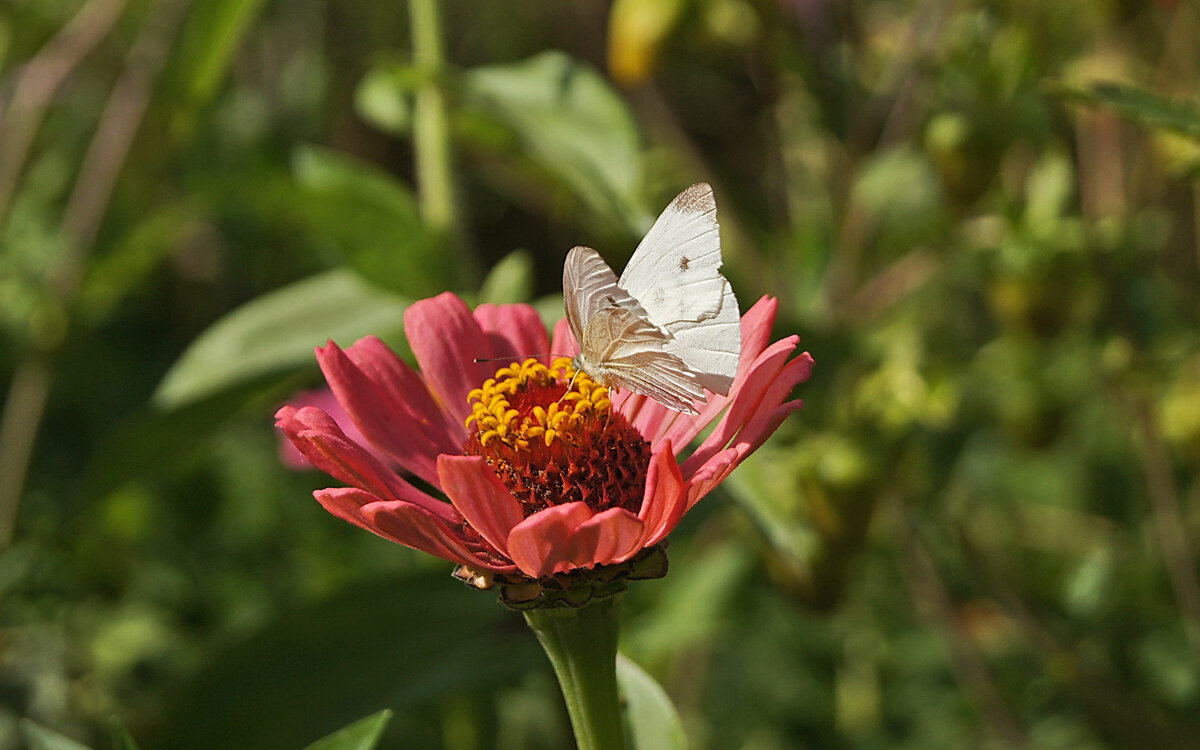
x,y
277,331
571,122
383,97
510,280
652,719
154,442
363,734
689,605
372,220
122,270
1136,104
210,40
121,739
766,488
402,643
38,737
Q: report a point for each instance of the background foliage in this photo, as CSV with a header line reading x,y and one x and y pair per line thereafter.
x,y
979,215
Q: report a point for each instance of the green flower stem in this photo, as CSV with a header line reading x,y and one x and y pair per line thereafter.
x,y
582,646
431,124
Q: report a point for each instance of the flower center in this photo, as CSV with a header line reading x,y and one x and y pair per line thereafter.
x,y
552,436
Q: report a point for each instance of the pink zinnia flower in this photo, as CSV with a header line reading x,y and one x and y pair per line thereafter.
x,y
540,480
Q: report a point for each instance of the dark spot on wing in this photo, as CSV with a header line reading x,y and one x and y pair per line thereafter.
x,y
684,262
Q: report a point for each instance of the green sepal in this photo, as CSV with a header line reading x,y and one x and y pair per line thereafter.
x,y
576,588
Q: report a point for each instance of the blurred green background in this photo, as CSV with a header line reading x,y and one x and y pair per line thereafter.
x,y
981,531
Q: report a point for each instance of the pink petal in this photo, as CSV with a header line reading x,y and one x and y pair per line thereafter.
x,y
756,333
752,413
445,338
657,423
664,501
610,536
381,364
514,331
405,524
347,503
539,544
321,441
756,329
564,343
715,471
323,399
373,399
480,497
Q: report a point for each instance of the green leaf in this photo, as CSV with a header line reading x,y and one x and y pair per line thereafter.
x,y
1137,104
38,737
372,220
407,643
363,734
572,124
510,280
651,717
210,39
384,97
278,331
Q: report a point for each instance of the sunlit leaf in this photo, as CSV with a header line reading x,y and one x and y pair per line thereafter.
x,y
278,331
510,280
571,122
651,717
363,734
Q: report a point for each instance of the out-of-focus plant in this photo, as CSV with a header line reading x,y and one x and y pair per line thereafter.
x,y
985,533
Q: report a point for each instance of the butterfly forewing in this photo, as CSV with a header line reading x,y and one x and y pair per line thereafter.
x,y
674,272
675,275
670,326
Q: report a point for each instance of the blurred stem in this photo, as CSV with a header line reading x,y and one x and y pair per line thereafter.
x,y
112,140
431,131
1168,522
582,646
931,599
18,430
40,79
85,210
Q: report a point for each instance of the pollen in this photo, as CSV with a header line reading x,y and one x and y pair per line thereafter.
x,y
552,436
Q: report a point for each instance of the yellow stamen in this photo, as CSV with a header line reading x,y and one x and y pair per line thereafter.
x,y
500,409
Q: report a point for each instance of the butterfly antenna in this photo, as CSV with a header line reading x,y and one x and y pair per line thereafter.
x,y
477,360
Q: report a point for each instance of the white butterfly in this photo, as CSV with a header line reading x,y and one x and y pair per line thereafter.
x,y
670,327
